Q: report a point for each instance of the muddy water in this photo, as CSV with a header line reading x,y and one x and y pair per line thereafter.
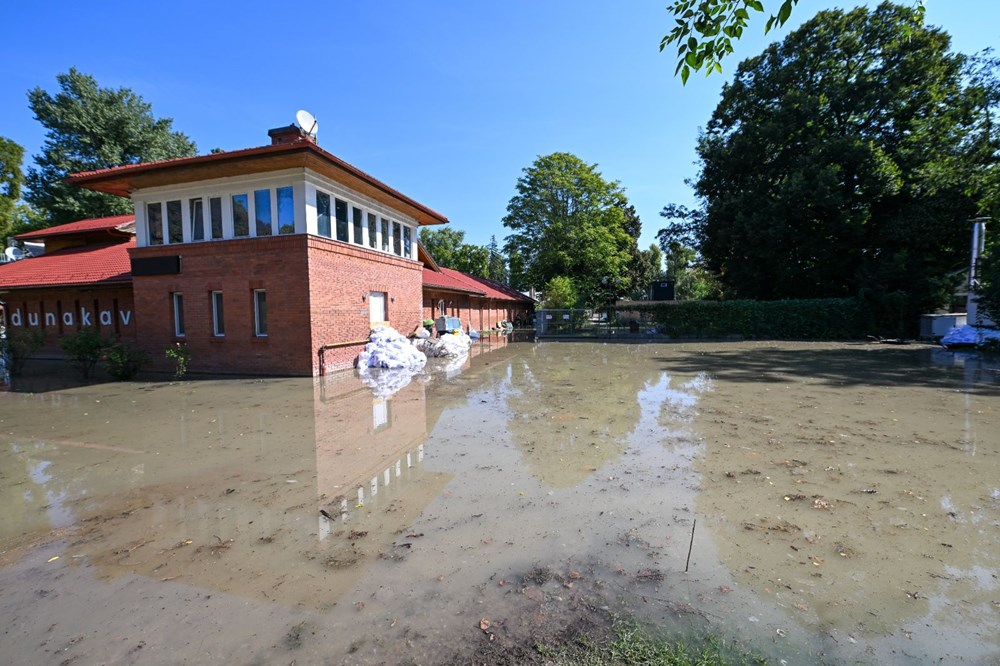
x,y
847,500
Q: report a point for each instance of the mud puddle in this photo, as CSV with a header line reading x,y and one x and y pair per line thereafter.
x,y
845,496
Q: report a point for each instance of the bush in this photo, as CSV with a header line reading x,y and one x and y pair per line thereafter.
x,y
85,349
180,355
123,361
806,319
21,346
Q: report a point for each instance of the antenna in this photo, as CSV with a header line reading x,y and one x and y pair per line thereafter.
x,y
307,122
14,253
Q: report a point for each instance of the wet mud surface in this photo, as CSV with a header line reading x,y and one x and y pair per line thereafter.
x,y
847,500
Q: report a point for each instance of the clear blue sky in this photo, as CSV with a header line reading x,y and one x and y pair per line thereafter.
x,y
446,101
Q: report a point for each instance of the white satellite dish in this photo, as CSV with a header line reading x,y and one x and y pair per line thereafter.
x,y
307,122
14,253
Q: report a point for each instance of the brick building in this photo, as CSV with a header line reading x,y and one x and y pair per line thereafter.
x,y
270,260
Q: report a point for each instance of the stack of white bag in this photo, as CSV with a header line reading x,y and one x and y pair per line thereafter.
x,y
388,349
452,344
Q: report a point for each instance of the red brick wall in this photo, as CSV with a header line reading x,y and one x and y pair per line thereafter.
x,y
339,276
110,309
277,264
482,313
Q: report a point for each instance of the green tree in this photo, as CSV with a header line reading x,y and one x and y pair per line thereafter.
x,y
839,162
88,127
497,268
705,30
568,221
560,293
449,249
648,268
11,180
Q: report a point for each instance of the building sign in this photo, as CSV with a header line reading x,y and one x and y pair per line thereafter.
x,y
83,318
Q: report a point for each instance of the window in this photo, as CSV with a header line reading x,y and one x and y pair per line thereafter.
x,y
178,302
218,316
260,313
372,230
215,211
241,215
376,305
397,242
174,225
323,214
197,219
407,243
380,413
154,223
262,212
341,210
286,211
385,235
359,221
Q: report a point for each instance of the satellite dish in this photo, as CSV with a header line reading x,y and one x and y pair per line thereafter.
x,y
14,253
307,122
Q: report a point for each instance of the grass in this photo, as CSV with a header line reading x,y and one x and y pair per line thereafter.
x,y
632,646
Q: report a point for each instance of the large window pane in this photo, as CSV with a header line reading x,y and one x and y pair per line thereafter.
x,y
359,221
341,210
154,223
286,211
397,242
215,210
241,215
175,225
323,215
197,220
385,235
262,211
218,316
372,230
178,299
407,243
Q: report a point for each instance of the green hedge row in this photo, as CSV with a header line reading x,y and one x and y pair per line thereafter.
x,y
807,319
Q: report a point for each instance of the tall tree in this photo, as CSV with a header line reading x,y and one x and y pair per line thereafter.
x,y
11,180
449,249
88,127
568,221
838,163
497,268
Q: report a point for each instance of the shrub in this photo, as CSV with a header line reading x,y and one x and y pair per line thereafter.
x,y
180,355
21,346
123,361
85,349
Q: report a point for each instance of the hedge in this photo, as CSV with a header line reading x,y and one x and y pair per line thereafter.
x,y
805,319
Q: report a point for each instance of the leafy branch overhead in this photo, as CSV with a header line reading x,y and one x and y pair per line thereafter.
x,y
706,29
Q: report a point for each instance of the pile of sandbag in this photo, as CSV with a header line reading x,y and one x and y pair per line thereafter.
x,y
449,345
386,348
967,336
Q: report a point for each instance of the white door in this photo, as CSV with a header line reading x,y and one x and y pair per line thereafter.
x,y
376,307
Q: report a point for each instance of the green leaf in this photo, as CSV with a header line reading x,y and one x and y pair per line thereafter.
x,y
685,73
784,12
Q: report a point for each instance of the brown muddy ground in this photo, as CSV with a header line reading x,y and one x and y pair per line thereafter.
x,y
847,500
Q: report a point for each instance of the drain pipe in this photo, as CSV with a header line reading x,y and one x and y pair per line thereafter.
x,y
321,352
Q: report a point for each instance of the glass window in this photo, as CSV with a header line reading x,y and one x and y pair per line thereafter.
x,y
215,211
262,211
154,223
218,316
241,215
385,235
341,210
372,230
397,242
407,243
260,313
286,211
178,299
175,226
323,214
359,221
197,219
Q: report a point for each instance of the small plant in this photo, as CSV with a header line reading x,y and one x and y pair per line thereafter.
x,y
123,361
21,346
180,355
427,323
85,348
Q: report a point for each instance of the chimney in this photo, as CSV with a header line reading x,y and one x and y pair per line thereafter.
x,y
289,134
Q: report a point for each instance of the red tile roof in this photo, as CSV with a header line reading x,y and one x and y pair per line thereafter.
x,y
82,226
454,280
90,264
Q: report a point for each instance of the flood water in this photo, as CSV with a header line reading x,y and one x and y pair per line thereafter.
x,y
846,499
